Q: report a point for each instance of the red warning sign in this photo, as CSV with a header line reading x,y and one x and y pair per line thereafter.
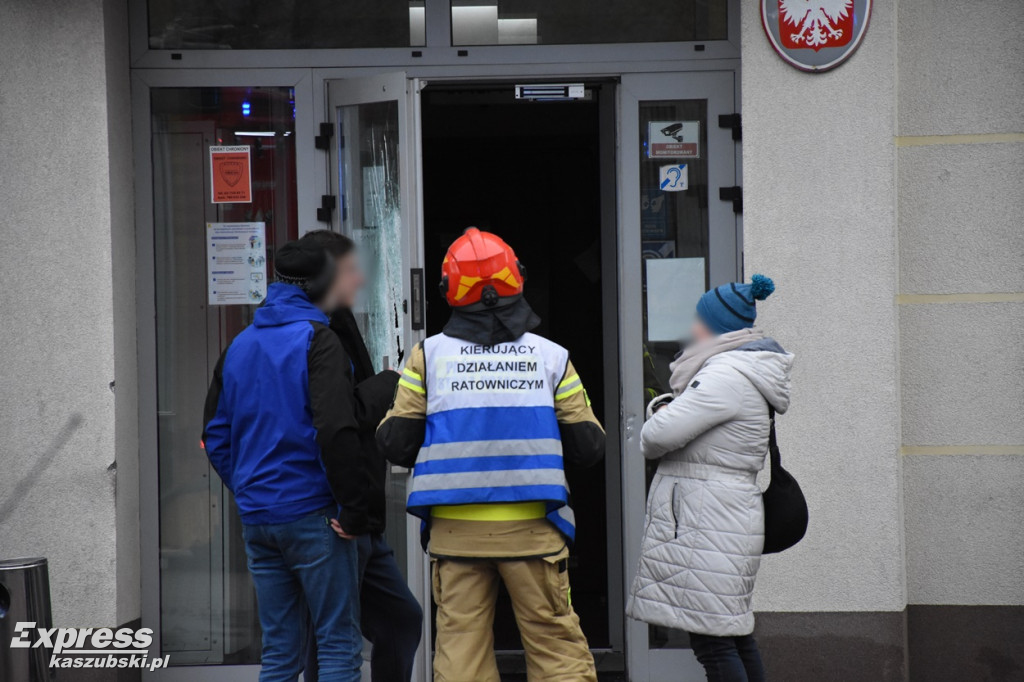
x,y
230,178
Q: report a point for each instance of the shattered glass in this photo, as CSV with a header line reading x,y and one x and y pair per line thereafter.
x,y
371,215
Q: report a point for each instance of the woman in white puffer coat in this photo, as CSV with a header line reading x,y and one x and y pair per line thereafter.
x,y
705,518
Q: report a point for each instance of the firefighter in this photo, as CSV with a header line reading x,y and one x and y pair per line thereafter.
x,y
486,413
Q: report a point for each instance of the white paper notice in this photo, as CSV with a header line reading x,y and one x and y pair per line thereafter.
x,y
236,263
673,287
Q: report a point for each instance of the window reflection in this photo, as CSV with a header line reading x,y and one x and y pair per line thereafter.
x,y
567,22
284,24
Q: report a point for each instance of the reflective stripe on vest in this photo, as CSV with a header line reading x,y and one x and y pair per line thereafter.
x,y
411,380
492,436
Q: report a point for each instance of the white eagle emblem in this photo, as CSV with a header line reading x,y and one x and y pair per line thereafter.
x,y
815,19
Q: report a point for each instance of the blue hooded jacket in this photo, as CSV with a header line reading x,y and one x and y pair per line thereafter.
x,y
275,439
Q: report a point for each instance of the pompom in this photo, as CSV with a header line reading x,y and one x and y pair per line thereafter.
x,y
761,287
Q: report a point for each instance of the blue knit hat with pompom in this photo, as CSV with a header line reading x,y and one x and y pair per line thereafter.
x,y
732,307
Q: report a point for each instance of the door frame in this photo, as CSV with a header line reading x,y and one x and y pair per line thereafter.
x,y
314,178
145,283
608,143
393,86
621,235
720,91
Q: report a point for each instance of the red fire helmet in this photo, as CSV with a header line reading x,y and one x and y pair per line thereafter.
x,y
480,268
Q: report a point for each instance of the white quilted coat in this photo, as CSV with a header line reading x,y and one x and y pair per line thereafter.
x,y
704,528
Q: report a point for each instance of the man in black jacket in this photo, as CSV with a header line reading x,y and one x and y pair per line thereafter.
x,y
391,618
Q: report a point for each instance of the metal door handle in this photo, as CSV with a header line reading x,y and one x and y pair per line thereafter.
x,y
418,299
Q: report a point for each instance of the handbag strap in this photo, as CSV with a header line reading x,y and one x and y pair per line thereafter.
x,y
773,443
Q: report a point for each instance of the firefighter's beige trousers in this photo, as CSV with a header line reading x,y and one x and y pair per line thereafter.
x,y
466,590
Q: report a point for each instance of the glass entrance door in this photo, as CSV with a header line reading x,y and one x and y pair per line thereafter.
x,y
224,167
374,160
207,606
672,228
677,239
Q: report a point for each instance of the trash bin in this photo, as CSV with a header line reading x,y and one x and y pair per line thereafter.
x,y
24,597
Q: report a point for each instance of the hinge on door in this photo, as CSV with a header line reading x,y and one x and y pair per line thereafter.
x,y
733,194
734,121
323,140
327,205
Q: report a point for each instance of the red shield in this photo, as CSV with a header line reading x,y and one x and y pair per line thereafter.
x,y
814,24
231,172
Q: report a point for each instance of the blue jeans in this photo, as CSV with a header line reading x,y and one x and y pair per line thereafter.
x,y
298,568
728,659
391,617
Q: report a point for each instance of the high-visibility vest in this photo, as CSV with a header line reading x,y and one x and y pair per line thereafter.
x,y
492,435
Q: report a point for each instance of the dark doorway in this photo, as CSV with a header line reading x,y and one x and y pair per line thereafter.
x,y
531,173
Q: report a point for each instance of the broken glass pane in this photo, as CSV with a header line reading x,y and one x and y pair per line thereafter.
x,y
371,215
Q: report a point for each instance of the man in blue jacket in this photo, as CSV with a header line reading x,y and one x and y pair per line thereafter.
x,y
282,434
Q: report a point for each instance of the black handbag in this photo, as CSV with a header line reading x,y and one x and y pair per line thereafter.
x,y
785,509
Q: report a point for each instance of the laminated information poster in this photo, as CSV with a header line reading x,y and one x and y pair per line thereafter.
x,y
674,285
236,263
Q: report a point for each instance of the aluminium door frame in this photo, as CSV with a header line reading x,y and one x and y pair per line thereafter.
x,y
145,282
607,113
405,91
720,89
631,637
313,179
